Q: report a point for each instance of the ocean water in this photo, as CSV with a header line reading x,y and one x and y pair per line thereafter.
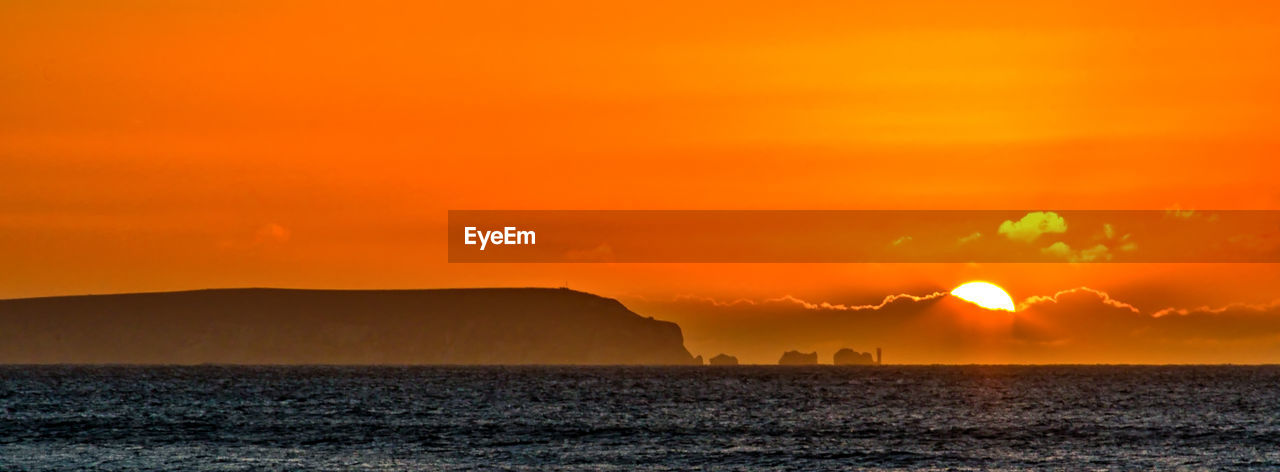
x,y
639,418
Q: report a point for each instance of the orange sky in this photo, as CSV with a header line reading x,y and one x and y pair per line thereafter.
x,y
159,145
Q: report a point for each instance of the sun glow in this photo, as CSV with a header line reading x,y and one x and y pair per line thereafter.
x,y
986,295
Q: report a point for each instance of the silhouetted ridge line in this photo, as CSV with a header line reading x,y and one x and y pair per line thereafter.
x,y
296,326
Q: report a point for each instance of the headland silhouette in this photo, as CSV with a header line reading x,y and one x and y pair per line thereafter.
x,y
285,326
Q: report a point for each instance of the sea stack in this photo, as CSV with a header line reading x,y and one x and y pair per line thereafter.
x,y
848,356
798,358
724,359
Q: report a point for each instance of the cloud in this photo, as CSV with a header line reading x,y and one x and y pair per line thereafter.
x,y
841,307
1253,243
1102,296
1096,253
1222,331
1058,249
792,300
1061,250
1255,307
758,330
1123,243
901,241
713,301
1085,325
1078,325
970,238
1031,226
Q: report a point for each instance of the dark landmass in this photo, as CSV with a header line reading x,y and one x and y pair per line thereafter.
x,y
724,359
281,326
798,358
848,356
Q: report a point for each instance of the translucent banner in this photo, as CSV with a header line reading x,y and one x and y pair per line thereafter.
x,y
685,236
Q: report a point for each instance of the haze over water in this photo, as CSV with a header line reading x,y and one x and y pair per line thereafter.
x,y
639,418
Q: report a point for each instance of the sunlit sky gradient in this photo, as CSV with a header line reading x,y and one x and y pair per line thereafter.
x,y
161,145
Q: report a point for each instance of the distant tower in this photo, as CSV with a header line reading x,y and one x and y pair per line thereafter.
x,y
877,356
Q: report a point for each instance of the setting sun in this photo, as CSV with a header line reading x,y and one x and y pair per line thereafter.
x,y
986,295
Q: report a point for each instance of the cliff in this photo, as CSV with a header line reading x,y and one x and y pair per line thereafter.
x,y
278,326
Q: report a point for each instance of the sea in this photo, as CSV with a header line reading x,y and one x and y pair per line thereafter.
x,y
536,418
